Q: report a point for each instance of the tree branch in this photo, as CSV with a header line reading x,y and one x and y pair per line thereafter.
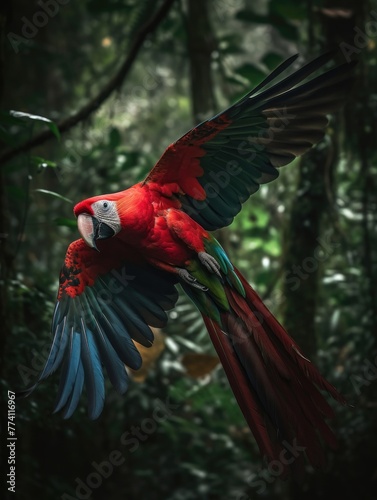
x,y
113,84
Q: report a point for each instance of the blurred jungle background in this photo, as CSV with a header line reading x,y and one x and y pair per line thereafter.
x,y
91,94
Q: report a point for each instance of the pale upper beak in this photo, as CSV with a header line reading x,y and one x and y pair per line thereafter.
x,y
86,228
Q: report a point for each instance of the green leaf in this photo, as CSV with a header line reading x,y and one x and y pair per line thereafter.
x,y
115,138
251,73
7,118
272,247
130,159
247,15
287,30
272,60
64,221
27,116
52,193
234,80
5,136
289,9
16,193
40,162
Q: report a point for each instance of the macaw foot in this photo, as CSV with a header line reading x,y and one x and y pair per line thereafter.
x,y
188,278
209,263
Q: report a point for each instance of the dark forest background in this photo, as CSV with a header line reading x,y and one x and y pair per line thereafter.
x,y
121,80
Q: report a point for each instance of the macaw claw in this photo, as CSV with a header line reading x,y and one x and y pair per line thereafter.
x,y
189,278
209,263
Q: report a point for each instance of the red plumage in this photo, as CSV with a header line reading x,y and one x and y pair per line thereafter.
x,y
139,243
293,409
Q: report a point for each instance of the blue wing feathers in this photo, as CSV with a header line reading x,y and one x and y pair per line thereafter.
x,y
120,340
136,326
114,366
94,330
94,380
74,398
70,367
144,305
57,349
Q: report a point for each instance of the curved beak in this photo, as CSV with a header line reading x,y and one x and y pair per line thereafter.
x,y
92,230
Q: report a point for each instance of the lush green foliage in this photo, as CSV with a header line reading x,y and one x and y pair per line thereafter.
x,y
198,445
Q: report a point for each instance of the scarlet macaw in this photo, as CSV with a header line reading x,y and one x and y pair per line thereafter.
x,y
138,244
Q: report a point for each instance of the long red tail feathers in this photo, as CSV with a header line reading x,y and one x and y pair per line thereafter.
x,y
276,386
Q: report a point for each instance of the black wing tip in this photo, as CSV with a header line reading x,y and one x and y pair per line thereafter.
x,y
290,60
308,69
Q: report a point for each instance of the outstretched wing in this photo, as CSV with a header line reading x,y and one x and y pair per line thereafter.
x,y
217,165
106,300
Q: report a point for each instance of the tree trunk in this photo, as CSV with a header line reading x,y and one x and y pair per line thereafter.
x,y
305,245
201,44
305,249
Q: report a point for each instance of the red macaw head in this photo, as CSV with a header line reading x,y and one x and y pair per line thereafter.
x,y
98,218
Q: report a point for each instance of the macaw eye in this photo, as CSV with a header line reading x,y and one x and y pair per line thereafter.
x,y
105,205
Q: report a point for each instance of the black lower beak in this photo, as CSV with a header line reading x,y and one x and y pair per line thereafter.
x,y
91,230
101,231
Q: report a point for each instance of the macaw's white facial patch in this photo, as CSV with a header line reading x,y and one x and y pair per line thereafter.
x,y
105,211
